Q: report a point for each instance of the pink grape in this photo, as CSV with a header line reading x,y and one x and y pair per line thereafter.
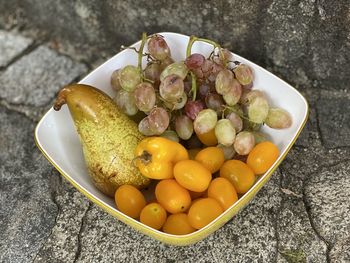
x,y
244,142
232,96
278,119
158,47
155,123
115,80
223,81
184,127
145,96
244,74
236,121
215,102
152,72
249,95
205,121
192,108
166,62
171,88
125,102
195,61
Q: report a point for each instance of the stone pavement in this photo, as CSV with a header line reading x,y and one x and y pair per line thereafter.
x,y
301,215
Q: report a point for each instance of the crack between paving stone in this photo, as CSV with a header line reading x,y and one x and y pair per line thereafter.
x,y
311,221
277,214
59,209
329,245
318,127
82,224
17,108
26,51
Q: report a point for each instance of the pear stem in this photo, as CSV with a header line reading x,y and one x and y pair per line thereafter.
x,y
61,98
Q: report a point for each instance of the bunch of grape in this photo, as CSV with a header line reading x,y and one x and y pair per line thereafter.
x,y
198,101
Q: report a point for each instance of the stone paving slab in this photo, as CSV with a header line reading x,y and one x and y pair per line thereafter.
x,y
11,45
334,118
27,183
327,194
300,215
36,77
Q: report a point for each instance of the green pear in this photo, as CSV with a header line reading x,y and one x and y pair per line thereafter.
x,y
108,137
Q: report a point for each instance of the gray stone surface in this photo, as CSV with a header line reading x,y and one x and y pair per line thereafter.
x,y
334,121
63,243
27,184
36,77
327,194
340,252
11,45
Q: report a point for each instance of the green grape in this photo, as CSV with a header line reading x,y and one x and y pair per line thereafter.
x,y
260,137
237,108
205,121
244,142
223,81
249,95
258,109
158,47
171,88
224,132
152,72
232,96
129,78
170,135
184,127
145,96
229,151
178,68
126,102
178,105
115,80
244,74
251,126
278,119
236,121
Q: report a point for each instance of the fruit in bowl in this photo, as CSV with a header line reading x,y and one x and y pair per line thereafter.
x,y
199,95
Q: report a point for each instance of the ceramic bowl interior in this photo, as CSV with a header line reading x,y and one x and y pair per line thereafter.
x,y
58,140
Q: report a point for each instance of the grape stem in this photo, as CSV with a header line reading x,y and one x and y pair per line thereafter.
x,y
235,111
140,52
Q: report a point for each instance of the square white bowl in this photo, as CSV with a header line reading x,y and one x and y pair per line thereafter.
x,y
56,137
